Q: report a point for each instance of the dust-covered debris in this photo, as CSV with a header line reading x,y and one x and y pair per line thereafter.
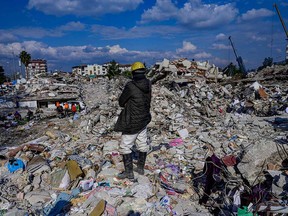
x,y
216,146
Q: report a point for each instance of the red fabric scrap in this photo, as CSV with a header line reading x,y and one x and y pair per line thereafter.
x,y
229,160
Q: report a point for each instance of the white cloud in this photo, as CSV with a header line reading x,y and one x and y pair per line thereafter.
x,y
10,35
83,7
187,47
111,32
221,46
65,57
220,62
202,55
7,36
163,10
206,15
221,36
116,49
30,32
258,38
255,14
194,13
72,26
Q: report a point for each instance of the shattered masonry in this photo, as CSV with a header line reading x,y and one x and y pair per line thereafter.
x,y
216,145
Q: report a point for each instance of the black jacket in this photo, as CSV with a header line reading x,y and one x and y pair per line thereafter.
x,y
136,99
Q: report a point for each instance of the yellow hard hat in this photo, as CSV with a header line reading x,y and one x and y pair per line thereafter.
x,y
137,65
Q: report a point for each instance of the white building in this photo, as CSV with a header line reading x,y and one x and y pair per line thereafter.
x,y
124,67
92,71
95,70
79,70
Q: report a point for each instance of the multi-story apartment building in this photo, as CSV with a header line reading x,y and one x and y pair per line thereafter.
x,y
96,70
79,70
125,67
92,71
36,66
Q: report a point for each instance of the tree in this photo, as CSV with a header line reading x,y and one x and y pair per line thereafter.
x,y
113,69
267,62
25,59
127,74
2,75
233,71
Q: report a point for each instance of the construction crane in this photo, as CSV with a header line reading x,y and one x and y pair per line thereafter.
x,y
284,27
238,59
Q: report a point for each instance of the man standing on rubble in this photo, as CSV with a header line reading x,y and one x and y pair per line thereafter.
x,y
66,108
133,120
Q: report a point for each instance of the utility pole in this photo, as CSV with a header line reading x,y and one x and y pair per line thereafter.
x,y
284,27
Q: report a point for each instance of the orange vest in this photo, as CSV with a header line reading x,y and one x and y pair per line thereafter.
x,y
66,106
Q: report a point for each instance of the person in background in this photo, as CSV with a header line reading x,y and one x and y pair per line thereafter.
x,y
57,104
78,107
66,109
133,120
17,116
73,108
29,115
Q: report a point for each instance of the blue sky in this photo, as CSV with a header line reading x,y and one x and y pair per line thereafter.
x,y
72,32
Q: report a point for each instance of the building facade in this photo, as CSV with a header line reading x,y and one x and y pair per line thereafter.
x,y
96,70
79,70
36,66
93,70
124,67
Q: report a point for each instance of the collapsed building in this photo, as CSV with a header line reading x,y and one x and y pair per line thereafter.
x,y
215,145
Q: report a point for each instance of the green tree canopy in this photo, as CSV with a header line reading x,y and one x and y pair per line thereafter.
x,y
127,74
232,70
113,69
25,59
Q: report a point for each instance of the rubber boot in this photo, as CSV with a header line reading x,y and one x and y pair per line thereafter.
x,y
128,165
141,162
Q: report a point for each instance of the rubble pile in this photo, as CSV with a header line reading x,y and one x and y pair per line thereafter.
x,y
210,145
184,68
278,72
39,88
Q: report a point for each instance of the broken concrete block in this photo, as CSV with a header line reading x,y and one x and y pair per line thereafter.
x,y
183,133
51,135
38,165
165,91
186,63
74,170
65,182
36,181
164,64
34,197
99,208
